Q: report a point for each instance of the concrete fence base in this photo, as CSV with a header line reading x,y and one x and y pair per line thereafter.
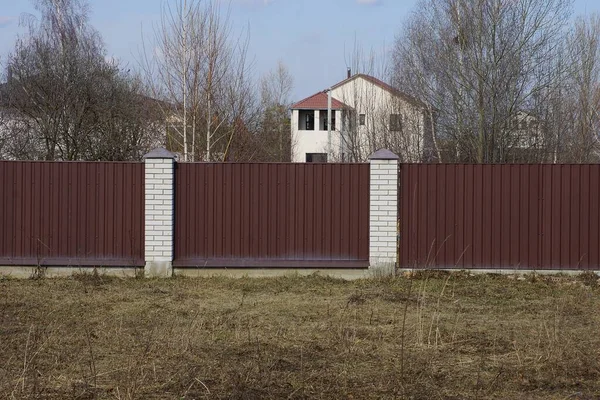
x,y
29,272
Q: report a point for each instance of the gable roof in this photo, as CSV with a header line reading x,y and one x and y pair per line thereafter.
x,y
378,82
318,101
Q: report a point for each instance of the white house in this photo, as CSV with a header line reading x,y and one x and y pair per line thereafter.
x,y
367,114
527,131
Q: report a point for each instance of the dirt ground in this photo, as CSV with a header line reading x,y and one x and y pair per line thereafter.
x,y
423,336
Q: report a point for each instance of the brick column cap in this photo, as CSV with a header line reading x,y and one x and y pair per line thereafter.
x,y
383,154
160,152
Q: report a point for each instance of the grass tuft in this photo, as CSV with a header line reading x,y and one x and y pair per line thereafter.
x,y
423,335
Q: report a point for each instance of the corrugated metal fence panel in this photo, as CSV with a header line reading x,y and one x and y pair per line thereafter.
x,y
499,216
278,215
71,213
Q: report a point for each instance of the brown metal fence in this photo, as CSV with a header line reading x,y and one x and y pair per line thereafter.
x,y
71,213
272,215
500,216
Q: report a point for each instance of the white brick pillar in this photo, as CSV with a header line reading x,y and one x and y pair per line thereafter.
x,y
159,213
383,216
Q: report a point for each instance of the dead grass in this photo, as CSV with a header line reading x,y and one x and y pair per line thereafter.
x,y
424,336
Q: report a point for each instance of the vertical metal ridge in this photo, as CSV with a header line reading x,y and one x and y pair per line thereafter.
x,y
503,216
65,212
287,212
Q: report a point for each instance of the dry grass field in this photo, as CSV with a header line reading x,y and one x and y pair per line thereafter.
x,y
424,336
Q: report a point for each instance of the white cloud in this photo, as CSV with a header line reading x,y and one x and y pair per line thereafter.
x,y
256,3
369,2
6,20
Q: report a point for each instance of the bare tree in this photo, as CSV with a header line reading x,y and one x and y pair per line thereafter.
x,y
481,63
64,100
199,71
276,86
580,100
275,90
358,141
377,115
4,130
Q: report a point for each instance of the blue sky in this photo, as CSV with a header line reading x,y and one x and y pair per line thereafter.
x,y
310,36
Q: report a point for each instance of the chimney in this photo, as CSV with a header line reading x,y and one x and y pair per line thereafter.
x,y
349,73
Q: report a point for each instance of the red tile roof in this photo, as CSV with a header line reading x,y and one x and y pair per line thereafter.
x,y
318,101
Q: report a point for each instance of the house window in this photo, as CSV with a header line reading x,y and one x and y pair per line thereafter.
x,y
310,122
361,119
395,122
323,118
306,120
316,157
514,123
352,121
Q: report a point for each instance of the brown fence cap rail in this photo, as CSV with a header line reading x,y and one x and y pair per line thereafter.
x,y
383,154
160,153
